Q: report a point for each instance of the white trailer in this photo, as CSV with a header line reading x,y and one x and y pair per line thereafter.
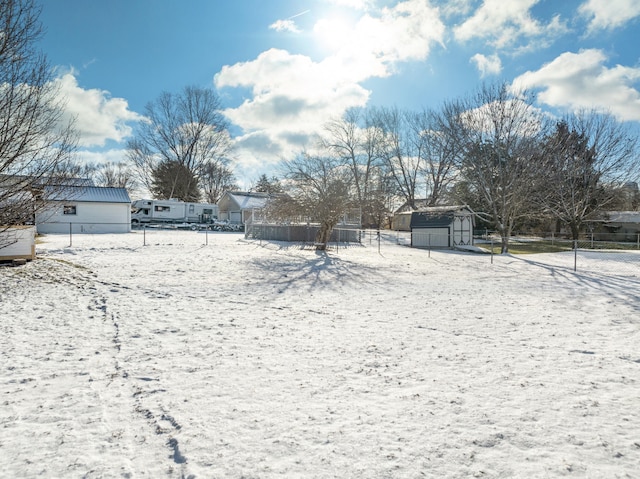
x,y
172,212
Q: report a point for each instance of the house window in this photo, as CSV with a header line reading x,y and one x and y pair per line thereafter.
x,y
69,210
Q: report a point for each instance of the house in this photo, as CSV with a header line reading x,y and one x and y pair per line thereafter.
x,y
401,220
442,227
622,225
239,207
84,209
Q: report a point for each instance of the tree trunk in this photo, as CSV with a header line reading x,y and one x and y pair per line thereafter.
x,y
505,244
575,230
323,236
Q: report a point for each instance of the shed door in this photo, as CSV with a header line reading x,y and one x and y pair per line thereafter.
x,y
462,230
430,237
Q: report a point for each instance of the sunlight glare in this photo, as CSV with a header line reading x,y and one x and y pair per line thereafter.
x,y
333,33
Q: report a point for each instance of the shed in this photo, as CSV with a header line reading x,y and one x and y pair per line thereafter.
x,y
17,242
85,209
238,206
442,227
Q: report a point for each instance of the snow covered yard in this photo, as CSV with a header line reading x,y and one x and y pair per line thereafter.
x,y
237,359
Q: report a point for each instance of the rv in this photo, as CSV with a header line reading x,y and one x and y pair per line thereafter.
x,y
172,211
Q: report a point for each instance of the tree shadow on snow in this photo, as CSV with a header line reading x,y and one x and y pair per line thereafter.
x,y
619,288
320,270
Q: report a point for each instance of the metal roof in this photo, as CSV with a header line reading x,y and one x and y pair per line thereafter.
x,y
622,217
87,194
248,200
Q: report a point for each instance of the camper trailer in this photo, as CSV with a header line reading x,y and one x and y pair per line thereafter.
x,y
172,212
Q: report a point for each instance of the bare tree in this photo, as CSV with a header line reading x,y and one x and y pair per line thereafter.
x,y
499,134
217,178
36,145
402,154
319,189
186,129
438,153
357,141
586,161
118,175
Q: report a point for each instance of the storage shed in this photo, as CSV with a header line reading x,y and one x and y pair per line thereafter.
x,y
17,242
442,227
85,209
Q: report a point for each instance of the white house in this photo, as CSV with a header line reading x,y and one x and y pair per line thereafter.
x,y
85,209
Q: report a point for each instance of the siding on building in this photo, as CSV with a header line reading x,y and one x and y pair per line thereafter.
x,y
18,242
85,210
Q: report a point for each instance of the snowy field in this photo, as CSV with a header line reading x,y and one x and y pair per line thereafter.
x,y
237,359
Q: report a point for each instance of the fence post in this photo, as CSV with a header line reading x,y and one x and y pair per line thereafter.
x,y
575,255
638,244
206,236
70,235
144,235
429,244
491,250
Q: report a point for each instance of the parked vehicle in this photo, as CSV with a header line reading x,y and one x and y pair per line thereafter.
x,y
172,212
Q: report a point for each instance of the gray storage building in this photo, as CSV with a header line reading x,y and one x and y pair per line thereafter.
x,y
442,227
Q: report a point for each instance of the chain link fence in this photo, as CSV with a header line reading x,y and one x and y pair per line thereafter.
x,y
608,253
600,253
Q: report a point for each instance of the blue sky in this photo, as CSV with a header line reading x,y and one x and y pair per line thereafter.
x,y
284,67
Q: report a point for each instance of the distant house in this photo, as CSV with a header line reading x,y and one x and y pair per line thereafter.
x,y
239,207
401,220
623,225
84,209
442,227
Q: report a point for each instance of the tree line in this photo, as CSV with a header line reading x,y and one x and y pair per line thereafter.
x,y
494,150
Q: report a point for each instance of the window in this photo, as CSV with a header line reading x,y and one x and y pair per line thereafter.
x,y
162,208
192,209
69,210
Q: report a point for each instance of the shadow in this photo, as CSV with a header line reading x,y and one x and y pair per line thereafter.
x,y
313,269
618,287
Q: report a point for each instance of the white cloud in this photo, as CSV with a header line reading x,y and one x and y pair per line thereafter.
x,y
608,14
355,4
284,26
292,92
487,65
504,24
98,117
98,157
581,80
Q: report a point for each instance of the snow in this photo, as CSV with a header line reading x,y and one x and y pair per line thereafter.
x,y
189,354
